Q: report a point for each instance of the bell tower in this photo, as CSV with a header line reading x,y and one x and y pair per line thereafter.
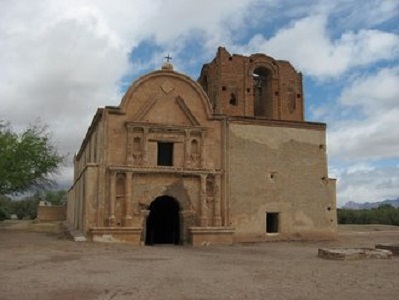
x,y
253,86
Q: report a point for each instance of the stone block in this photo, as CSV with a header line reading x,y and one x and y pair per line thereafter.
x,y
353,253
394,248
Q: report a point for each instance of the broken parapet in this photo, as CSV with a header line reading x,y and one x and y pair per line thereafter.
x,y
391,247
354,253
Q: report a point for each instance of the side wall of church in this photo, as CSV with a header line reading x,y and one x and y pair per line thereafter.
x,y
290,168
83,197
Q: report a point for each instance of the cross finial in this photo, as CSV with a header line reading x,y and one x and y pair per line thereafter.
x,y
168,58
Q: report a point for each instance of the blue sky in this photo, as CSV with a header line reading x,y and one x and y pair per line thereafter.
x,y
60,60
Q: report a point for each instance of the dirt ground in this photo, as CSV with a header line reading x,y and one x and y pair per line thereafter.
x,y
36,262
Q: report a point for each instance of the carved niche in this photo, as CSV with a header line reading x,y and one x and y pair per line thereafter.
x,y
135,146
195,155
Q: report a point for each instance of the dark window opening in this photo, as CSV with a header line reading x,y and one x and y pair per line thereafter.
x,y
233,99
165,154
272,222
163,222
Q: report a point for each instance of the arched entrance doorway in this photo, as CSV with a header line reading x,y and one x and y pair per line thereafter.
x,y
163,222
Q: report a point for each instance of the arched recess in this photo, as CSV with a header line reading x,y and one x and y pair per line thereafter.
x,y
163,222
263,94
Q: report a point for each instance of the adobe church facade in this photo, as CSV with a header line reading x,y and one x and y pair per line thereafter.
x,y
226,159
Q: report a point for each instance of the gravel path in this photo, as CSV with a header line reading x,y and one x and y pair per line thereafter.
x,y
37,265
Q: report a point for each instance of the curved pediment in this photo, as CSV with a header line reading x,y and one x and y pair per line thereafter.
x,y
166,97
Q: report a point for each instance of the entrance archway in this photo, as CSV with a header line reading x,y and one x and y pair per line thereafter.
x,y
163,222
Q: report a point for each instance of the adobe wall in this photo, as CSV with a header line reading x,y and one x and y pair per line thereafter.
x,y
83,199
86,197
92,148
70,208
51,213
290,168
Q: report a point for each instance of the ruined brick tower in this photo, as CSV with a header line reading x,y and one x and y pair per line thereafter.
x,y
254,86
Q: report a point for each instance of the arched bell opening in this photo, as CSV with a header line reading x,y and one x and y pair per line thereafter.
x,y
263,99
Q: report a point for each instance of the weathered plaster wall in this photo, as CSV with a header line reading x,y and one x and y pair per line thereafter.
x,y
82,201
284,170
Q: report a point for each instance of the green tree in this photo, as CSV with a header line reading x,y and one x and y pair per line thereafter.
x,y
26,208
5,207
57,197
27,160
384,214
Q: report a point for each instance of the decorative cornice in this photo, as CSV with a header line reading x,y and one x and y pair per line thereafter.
x,y
165,170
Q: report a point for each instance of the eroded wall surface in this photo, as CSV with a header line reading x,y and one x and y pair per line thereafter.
x,y
274,169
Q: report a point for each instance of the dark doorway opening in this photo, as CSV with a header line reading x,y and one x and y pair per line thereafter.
x,y
163,222
272,222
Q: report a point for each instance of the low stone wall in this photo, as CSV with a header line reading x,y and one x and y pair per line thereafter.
x,y
353,253
51,213
394,248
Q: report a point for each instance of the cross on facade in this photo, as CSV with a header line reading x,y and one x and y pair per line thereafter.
x,y
168,58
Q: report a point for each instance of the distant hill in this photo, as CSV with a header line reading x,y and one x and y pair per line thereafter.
x,y
368,205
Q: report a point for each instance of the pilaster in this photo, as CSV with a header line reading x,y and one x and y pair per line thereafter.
x,y
203,204
128,219
111,219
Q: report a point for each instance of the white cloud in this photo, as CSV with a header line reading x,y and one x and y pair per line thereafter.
x,y
376,134
373,93
61,74
367,184
60,60
364,132
309,45
372,12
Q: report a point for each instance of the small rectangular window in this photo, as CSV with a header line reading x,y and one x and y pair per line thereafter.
x,y
165,154
272,222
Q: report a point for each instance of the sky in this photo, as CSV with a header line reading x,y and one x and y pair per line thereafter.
x,y
62,59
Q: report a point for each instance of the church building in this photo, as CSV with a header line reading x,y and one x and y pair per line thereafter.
x,y
225,159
